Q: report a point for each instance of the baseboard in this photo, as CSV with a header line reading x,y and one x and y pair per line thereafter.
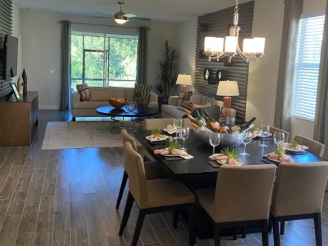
x,y
48,106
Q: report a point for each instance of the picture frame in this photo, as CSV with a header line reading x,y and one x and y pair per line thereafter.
x,y
15,91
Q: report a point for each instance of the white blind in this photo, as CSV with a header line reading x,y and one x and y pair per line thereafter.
x,y
307,65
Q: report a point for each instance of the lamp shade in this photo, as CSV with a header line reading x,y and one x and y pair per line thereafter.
x,y
184,79
228,88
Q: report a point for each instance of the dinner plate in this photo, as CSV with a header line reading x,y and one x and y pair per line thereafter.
x,y
161,140
171,131
294,151
240,163
273,160
171,157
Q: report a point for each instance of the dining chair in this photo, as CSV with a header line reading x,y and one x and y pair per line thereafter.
x,y
314,146
274,129
152,168
241,198
154,196
298,194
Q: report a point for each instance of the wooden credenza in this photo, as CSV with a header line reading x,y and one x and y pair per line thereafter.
x,y
17,120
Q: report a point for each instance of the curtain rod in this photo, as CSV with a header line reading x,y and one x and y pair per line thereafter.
x,y
90,24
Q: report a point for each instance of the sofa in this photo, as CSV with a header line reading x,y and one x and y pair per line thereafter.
x,y
99,97
174,109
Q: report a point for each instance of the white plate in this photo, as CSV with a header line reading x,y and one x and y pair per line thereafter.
x,y
276,160
170,130
164,137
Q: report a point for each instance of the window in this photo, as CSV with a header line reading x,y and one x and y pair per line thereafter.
x,y
103,60
307,65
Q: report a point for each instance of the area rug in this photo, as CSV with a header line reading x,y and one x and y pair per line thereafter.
x,y
63,135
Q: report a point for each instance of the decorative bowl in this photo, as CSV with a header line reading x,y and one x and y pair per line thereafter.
x,y
118,103
226,139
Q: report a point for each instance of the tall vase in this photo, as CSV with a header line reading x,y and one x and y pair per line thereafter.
x,y
24,85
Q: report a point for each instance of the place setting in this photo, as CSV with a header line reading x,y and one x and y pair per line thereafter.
x,y
156,137
227,156
175,151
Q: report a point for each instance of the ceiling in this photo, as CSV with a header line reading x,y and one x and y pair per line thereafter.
x,y
158,10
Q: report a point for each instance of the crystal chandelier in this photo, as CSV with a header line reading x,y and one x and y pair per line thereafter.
x,y
253,48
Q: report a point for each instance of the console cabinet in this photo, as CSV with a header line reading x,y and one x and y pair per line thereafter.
x,y
18,120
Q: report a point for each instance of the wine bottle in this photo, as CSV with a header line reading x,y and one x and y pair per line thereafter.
x,y
209,124
222,128
211,119
247,124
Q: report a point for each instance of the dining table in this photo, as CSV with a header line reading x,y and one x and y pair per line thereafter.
x,y
199,167
198,173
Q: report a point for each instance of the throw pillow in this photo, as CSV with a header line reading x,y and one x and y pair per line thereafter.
x,y
184,96
194,106
142,91
100,95
205,100
186,107
84,92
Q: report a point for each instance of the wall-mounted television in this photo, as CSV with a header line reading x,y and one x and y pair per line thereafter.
x,y
9,57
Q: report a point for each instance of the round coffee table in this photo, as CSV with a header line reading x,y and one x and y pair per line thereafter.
x,y
122,113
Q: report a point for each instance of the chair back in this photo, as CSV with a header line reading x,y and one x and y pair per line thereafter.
x,y
137,176
128,138
299,188
243,193
161,123
314,146
274,129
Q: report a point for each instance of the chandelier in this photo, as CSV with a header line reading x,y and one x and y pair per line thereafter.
x,y
253,48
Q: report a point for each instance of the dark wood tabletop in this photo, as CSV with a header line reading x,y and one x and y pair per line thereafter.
x,y
198,168
123,112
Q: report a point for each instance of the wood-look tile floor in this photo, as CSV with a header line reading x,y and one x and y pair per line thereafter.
x,y
67,197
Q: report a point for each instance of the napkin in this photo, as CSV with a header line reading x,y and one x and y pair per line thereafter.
x,y
170,129
153,138
167,152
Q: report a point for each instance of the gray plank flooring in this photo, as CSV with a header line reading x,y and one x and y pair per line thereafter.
x,y
68,196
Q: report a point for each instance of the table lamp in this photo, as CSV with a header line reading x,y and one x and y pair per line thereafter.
x,y
227,89
183,80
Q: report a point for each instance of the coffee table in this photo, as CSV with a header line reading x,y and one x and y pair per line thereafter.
x,y
118,115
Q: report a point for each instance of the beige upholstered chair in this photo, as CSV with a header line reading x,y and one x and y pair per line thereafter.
x,y
152,168
314,146
274,129
298,194
241,198
154,196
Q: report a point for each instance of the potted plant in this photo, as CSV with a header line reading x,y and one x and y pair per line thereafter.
x,y
167,75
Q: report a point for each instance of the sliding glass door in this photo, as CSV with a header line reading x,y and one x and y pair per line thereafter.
x,y
103,60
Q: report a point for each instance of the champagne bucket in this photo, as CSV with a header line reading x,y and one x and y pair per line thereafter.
x,y
227,139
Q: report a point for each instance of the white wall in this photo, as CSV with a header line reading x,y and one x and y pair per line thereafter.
x,y
186,34
262,80
41,35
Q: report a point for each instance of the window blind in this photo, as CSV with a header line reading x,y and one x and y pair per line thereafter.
x,y
307,66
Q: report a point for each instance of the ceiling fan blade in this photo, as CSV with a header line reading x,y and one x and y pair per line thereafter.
x,y
105,15
140,18
130,15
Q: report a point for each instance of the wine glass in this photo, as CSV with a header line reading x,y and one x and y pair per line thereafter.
x,y
264,132
247,138
177,124
214,140
184,134
130,106
278,137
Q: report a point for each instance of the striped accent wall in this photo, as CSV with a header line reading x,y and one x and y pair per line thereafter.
x,y
216,25
6,24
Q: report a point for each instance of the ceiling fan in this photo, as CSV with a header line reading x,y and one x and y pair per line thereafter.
x,y
121,17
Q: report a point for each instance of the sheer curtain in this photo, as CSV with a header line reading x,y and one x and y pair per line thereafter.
x,y
292,14
64,100
321,116
142,56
